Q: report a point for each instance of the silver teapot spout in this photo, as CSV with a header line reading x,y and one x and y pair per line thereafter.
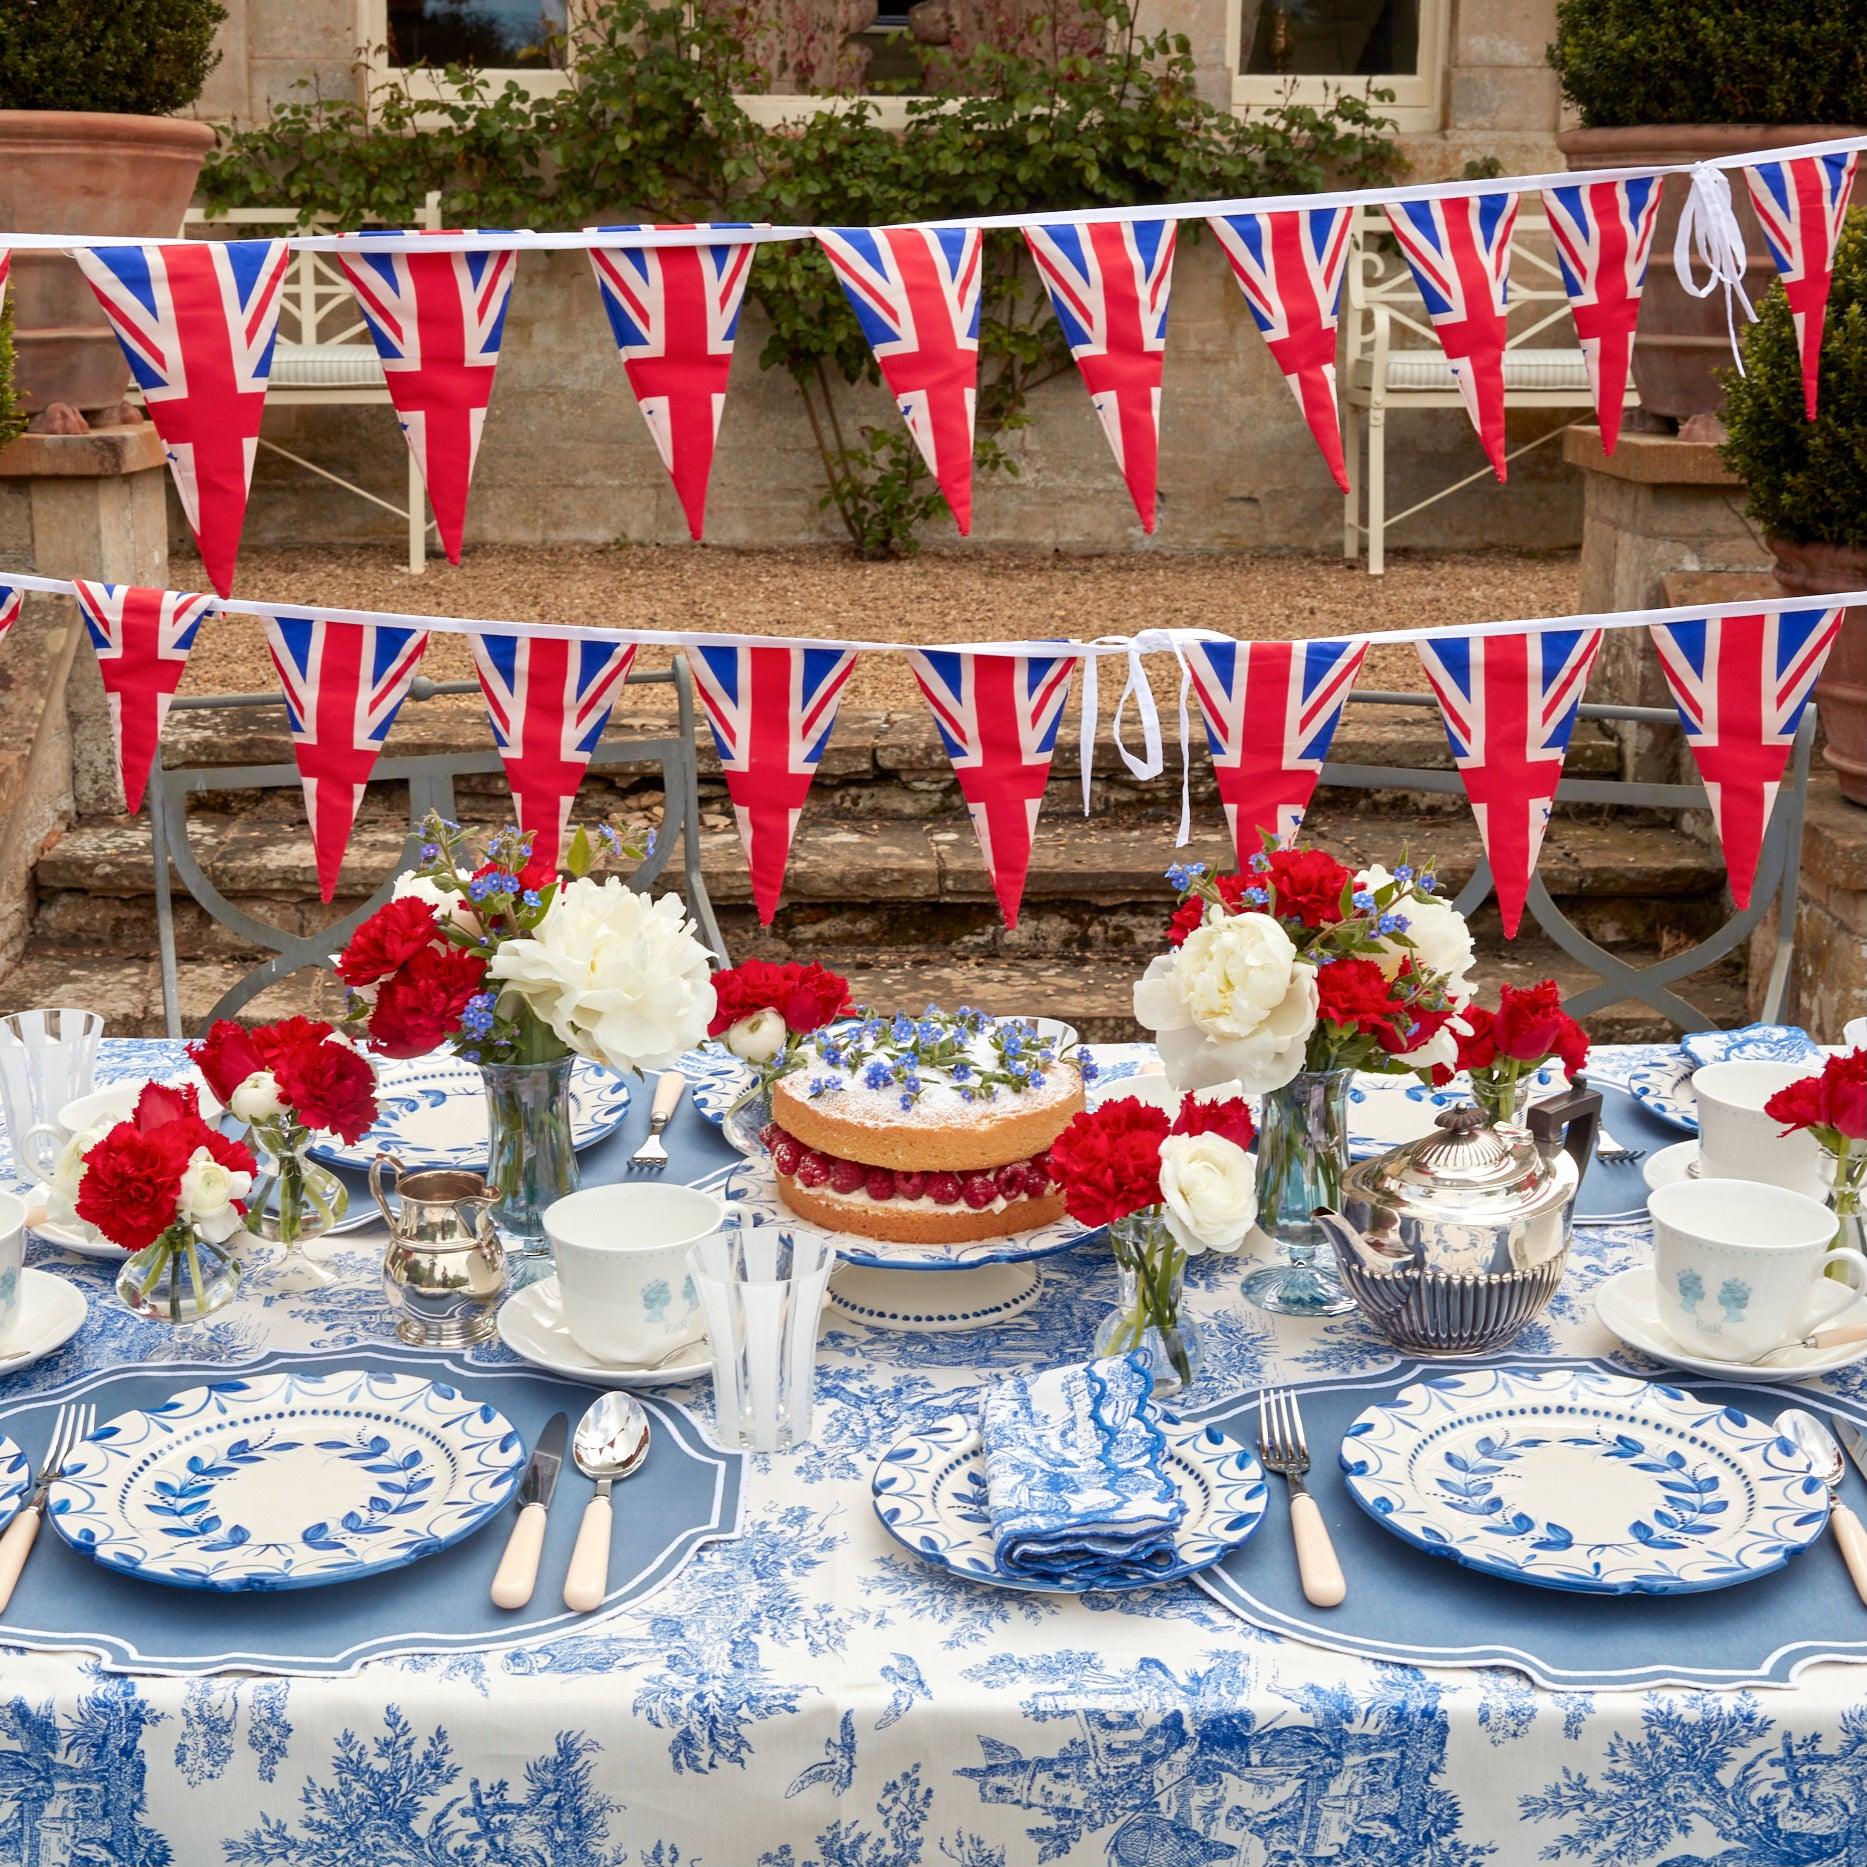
x,y
1380,1272
1382,1253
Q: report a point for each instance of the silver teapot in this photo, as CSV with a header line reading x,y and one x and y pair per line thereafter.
x,y
445,1269
1452,1243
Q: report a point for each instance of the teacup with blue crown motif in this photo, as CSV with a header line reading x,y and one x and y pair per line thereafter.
x,y
1740,1267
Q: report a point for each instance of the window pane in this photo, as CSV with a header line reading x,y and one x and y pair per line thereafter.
x,y
496,34
1332,38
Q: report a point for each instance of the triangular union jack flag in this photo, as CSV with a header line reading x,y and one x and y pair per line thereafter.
x,y
142,638
196,320
1108,283
1800,204
998,718
674,311
1271,709
548,700
1458,249
1740,684
915,292
437,320
6,266
771,710
1604,235
12,601
344,683
1509,703
1290,267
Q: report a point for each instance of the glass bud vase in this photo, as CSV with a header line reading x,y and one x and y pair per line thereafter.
x,y
1302,1152
180,1278
294,1200
530,1159
1504,1100
1149,1314
1845,1178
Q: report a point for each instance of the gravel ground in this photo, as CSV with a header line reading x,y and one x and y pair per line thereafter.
x,y
958,596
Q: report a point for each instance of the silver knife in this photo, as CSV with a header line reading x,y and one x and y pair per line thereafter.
x,y
1854,1440
518,1567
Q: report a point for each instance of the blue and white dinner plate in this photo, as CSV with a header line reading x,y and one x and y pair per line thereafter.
x,y
1568,1478
15,1480
432,1112
929,1492
287,1480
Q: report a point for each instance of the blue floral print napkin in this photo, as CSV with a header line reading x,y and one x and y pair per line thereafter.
x,y
1752,1043
1075,1475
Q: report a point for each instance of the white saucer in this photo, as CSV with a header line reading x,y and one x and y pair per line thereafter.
x,y
79,1244
1670,1165
50,1312
1628,1304
531,1324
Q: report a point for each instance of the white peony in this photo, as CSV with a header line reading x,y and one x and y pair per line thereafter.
x,y
208,1194
256,1098
1234,1003
446,902
617,977
1208,1192
757,1037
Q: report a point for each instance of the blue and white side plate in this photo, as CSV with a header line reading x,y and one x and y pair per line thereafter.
x,y
15,1481
929,1492
432,1112
1567,1478
287,1480
1751,1043
716,1079
1665,1086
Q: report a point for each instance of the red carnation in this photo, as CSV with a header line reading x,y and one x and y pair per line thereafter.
x,y
1355,993
330,1087
1529,1020
1799,1105
420,1006
1836,1098
814,996
388,940
806,997
1192,911
1306,885
1229,1117
288,1037
1108,1161
1478,1043
131,1186
226,1057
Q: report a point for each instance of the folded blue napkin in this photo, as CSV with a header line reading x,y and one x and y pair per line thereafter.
x,y
1752,1043
1075,1475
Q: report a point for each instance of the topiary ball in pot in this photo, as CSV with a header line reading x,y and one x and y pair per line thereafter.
x,y
1807,480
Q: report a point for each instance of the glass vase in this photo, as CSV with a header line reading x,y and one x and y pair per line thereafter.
x,y
1302,1152
180,1278
1504,1098
530,1159
294,1200
1148,1314
1844,1176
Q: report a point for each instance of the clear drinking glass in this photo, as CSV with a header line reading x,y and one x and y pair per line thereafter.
x,y
46,1060
761,1288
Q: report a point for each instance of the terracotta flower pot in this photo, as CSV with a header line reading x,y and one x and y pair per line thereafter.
x,y
1684,341
84,172
1841,693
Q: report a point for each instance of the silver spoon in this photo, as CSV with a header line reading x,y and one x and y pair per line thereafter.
x,y
1818,1445
610,1444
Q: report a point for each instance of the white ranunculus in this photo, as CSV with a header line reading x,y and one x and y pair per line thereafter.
x,y
1234,1003
61,1196
256,1098
208,1194
1442,945
446,902
1208,1192
758,1037
617,977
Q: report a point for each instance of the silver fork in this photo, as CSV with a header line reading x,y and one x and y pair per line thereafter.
x,y
652,1155
73,1425
1284,1449
1614,1152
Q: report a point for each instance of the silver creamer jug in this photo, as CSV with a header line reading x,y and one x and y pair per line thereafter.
x,y
445,1269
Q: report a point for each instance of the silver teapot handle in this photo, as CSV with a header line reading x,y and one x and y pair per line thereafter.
x,y
1571,1121
384,1157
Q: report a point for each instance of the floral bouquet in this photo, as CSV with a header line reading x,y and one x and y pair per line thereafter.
x,y
1831,1106
170,1189
1503,1050
288,1082
1167,1188
763,1011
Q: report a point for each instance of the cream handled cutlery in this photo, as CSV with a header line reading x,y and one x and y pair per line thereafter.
x,y
70,1429
652,1155
518,1567
1816,1443
610,1444
1283,1449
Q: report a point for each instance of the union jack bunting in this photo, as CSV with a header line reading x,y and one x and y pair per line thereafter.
x,y
12,600
915,292
437,320
6,266
1509,703
1271,709
1604,234
142,638
674,311
1800,204
771,710
196,320
1108,283
1740,684
1290,267
549,701
998,718
344,683
1458,249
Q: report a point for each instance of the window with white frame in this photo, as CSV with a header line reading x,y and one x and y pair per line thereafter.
x,y
411,41
1310,50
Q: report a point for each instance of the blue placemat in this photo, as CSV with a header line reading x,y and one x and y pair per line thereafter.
x,y
686,1494
1618,1190
1406,1605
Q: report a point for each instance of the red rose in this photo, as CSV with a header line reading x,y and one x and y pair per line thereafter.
x,y
1306,885
387,941
1477,1044
1229,1118
1108,1161
131,1186
813,997
420,1006
158,1104
1529,1020
226,1057
1355,993
1800,1105
330,1087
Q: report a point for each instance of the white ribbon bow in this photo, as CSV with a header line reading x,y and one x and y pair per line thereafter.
x,y
1708,229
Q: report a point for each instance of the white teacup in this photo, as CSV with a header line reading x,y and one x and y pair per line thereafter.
x,y
1738,1266
1737,1141
12,1249
1854,1034
622,1275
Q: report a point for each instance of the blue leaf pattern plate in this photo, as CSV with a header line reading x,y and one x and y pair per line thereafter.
x,y
1665,1086
287,1480
15,1481
1571,1479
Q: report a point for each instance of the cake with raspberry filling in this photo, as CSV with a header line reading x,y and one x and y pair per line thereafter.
x,y
929,1130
